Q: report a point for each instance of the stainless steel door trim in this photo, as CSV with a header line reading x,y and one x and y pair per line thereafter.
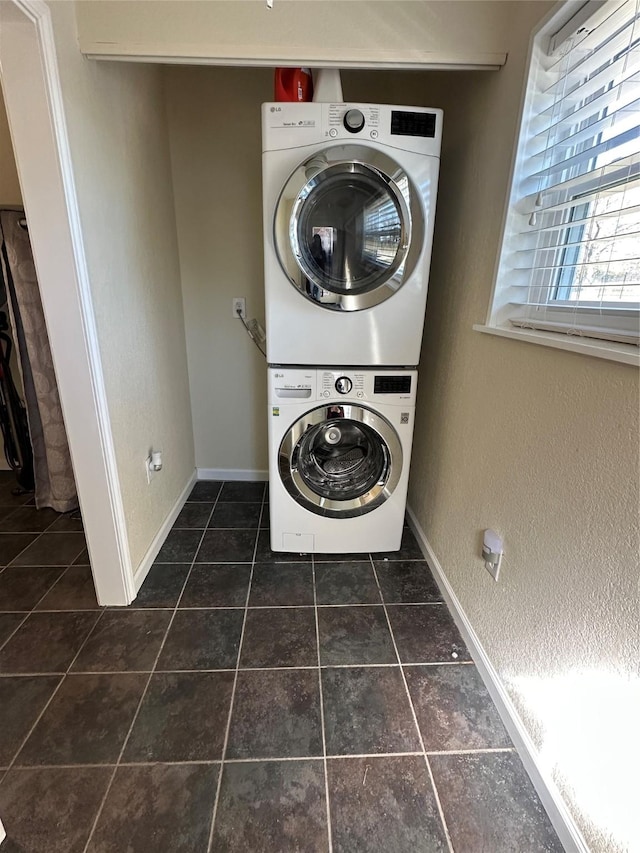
x,y
306,497
365,164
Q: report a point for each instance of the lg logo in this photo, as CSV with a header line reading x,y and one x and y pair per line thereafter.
x,y
276,109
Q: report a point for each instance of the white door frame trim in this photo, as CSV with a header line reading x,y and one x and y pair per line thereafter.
x,y
37,121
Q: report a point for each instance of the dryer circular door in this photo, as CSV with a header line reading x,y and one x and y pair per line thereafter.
x,y
348,227
340,461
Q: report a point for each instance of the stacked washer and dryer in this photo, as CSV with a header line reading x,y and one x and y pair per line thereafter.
x,y
349,194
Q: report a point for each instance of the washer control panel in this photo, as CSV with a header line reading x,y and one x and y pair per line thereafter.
x,y
295,385
388,386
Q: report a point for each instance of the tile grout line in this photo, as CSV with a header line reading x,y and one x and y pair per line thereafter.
x,y
207,761
484,751
322,725
64,566
223,755
51,698
98,608
226,669
119,607
415,718
271,562
254,606
142,697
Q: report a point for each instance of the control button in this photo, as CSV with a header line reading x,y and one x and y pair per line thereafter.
x,y
326,393
354,121
374,134
360,394
333,133
343,385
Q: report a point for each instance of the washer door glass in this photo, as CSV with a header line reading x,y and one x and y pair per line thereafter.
x,y
341,460
343,228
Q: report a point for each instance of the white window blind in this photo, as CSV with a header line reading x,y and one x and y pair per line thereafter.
x,y
571,254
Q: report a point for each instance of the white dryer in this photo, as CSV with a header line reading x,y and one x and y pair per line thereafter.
x,y
349,195
339,451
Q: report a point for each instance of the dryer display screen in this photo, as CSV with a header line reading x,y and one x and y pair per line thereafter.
x,y
392,385
413,124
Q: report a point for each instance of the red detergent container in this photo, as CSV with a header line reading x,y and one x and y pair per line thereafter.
x,y
293,84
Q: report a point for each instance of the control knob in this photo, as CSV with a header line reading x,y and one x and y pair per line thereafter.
x,y
343,385
354,121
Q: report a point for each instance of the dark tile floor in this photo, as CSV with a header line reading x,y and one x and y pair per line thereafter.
x,y
247,701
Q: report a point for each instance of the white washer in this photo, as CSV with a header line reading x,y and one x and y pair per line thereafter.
x,y
339,451
349,194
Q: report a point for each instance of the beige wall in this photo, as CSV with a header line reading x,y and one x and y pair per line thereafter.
x,y
542,445
214,120
119,146
310,32
9,187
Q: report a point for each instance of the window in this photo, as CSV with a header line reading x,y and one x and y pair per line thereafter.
x,y
570,257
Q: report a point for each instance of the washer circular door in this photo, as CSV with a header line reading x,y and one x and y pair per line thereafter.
x,y
348,227
340,461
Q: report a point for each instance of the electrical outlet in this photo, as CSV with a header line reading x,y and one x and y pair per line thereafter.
x,y
239,304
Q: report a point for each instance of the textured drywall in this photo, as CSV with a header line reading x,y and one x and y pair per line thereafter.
x,y
9,187
119,147
247,31
214,122
541,445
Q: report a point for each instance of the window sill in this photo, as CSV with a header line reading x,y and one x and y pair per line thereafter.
x,y
624,353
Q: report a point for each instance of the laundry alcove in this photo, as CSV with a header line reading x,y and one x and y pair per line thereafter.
x,y
165,146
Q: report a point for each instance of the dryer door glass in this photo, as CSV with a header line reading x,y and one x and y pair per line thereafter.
x,y
344,229
349,230
341,460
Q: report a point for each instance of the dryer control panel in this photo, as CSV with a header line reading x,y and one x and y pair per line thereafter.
x,y
292,125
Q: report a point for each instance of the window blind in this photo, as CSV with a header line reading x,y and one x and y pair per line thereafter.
x,y
575,259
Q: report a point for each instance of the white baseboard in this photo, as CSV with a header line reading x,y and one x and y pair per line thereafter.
x,y
562,820
158,540
252,474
